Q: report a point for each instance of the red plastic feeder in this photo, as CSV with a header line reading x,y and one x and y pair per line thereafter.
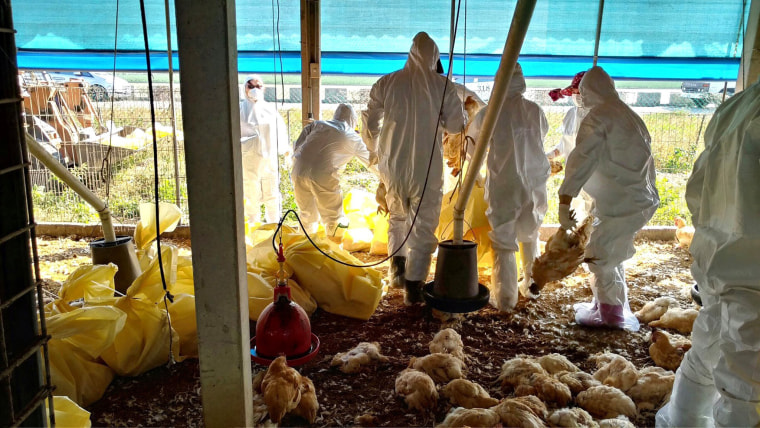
x,y
283,328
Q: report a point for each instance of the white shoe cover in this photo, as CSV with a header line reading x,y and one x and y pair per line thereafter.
x,y
528,253
690,405
504,281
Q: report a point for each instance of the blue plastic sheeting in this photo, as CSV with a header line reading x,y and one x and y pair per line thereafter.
x,y
665,30
482,66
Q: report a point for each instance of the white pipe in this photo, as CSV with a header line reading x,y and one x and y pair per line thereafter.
x,y
77,186
517,30
598,30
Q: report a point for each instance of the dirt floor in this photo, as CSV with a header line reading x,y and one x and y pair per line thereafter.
x,y
170,395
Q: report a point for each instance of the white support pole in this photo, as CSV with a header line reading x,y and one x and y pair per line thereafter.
x,y
749,67
598,30
207,42
311,60
515,38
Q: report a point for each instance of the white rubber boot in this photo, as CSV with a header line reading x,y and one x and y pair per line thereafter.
x,y
690,405
504,281
528,253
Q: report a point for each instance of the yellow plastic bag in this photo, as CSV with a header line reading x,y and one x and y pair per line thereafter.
x,y
379,244
476,224
145,231
89,282
78,338
359,239
143,343
69,415
148,285
338,289
182,313
184,279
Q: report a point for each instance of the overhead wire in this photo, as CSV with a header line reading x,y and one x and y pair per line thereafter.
x,y
167,295
424,187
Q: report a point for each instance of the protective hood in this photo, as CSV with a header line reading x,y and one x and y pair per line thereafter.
x,y
597,87
346,113
517,82
424,53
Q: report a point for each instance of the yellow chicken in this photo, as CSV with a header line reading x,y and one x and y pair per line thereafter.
x,y
534,404
555,363
604,401
615,370
440,367
308,405
655,309
618,422
653,386
546,388
463,417
684,233
564,252
577,381
281,388
513,370
571,417
447,341
467,394
417,388
453,144
364,353
681,320
668,350
516,413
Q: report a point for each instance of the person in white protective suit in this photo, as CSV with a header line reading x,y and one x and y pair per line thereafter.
x,y
717,382
612,161
409,103
263,135
322,149
568,130
517,170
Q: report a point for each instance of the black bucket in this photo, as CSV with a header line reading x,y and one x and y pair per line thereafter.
x,y
121,253
456,272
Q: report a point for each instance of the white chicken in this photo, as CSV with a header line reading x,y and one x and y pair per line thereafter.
x,y
440,367
655,309
666,350
618,422
571,417
513,370
467,394
564,252
516,413
604,401
653,386
684,233
448,341
417,388
463,417
681,320
363,354
615,370
555,363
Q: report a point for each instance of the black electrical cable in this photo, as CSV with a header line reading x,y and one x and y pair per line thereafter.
x,y
105,167
167,295
424,187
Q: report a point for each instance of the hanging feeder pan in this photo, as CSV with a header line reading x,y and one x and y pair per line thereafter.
x,y
455,287
283,328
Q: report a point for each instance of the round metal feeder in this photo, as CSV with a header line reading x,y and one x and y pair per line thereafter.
x,y
695,294
121,253
283,328
455,287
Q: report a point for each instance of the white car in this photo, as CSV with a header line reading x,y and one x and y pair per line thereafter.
x,y
99,85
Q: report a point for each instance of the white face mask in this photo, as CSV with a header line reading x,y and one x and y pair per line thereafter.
x,y
578,100
256,94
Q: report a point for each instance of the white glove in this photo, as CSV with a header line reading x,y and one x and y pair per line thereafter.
x,y
567,217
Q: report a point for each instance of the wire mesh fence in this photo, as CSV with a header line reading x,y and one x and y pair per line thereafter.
x,y
119,129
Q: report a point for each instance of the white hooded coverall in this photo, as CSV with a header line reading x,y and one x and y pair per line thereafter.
x,y
723,195
263,136
408,103
612,161
517,170
322,149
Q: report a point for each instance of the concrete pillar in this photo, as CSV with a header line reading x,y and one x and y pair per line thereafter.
x,y
206,36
